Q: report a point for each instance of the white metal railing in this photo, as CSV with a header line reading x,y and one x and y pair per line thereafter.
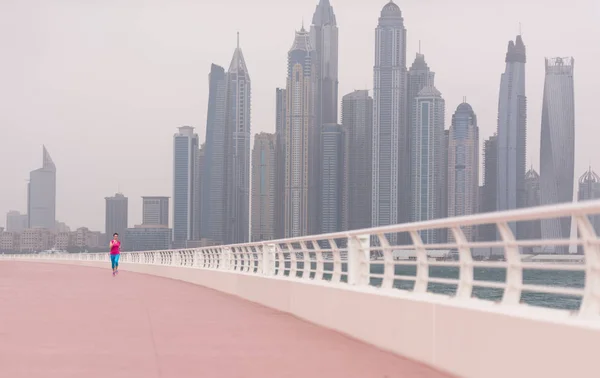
x,y
367,258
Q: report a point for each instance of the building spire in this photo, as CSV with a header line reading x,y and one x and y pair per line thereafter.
x,y
238,39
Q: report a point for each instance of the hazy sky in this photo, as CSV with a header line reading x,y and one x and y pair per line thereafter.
x,y
105,83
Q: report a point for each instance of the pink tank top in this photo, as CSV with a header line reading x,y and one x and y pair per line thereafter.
x,y
116,248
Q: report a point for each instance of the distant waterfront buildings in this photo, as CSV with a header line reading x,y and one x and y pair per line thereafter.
x,y
185,150
16,222
41,195
155,211
557,147
148,238
512,131
391,163
463,165
264,169
357,121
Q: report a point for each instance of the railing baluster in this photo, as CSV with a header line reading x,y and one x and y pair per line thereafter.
x,y
465,273
514,270
422,278
388,262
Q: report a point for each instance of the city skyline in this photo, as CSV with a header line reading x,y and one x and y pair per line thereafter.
x,y
120,169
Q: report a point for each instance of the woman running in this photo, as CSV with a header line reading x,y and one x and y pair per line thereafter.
x,y
115,253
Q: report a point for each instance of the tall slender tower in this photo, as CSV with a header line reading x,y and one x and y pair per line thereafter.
x,y
238,154
419,77
512,131
324,41
280,125
390,154
557,147
357,120
185,150
428,161
300,124
463,165
41,194
215,163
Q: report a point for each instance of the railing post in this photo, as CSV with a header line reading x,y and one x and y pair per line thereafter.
x,y
514,269
465,274
422,277
358,260
590,303
225,259
268,263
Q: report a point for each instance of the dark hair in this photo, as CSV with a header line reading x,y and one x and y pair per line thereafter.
x,y
115,234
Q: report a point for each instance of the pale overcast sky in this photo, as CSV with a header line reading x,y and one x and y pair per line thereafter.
x,y
105,83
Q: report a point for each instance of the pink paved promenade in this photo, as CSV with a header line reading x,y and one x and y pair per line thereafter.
x,y
69,321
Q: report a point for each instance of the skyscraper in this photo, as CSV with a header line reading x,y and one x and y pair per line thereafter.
x,y
198,187
391,161
332,179
185,149
428,162
238,152
357,120
532,230
117,209
557,147
41,195
512,130
264,170
155,211
589,189
280,126
299,135
324,41
463,165
419,77
215,163
487,232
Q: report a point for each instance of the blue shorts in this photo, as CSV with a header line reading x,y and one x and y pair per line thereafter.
x,y
114,260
